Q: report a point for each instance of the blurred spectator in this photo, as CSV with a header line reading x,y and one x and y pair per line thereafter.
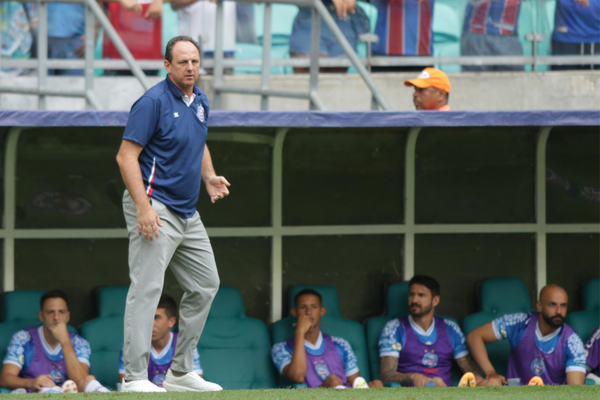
x,y
351,20
490,29
66,26
197,19
139,24
404,28
18,23
244,28
432,90
576,30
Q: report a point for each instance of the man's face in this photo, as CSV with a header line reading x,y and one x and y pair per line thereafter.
x,y
420,300
309,306
162,324
553,307
183,70
55,311
428,98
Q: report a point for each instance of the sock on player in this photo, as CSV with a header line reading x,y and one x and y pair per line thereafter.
x,y
95,386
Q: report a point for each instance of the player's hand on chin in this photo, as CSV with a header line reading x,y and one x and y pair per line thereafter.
x,y
60,332
217,188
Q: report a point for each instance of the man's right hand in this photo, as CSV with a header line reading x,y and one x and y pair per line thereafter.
x,y
493,379
303,325
148,222
418,380
40,382
131,5
332,381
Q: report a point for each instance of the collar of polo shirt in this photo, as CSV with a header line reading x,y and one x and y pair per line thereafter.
x,y
179,94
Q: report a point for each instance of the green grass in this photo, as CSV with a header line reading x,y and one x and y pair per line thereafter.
x,y
487,393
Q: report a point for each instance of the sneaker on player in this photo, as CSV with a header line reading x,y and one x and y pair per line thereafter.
x,y
140,386
190,382
536,381
467,379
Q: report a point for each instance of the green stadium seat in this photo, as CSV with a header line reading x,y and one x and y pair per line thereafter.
x,y
447,26
591,294
498,352
282,21
584,323
21,305
537,17
230,335
371,12
332,324
504,296
105,335
111,300
249,51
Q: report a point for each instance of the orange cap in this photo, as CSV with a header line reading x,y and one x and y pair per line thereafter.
x,y
430,77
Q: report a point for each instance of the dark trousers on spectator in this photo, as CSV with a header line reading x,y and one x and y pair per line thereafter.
x,y
574,49
475,44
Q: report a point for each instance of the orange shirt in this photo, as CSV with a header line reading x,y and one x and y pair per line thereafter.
x,y
444,108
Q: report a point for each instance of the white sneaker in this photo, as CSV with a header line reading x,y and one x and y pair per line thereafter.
x,y
140,386
190,382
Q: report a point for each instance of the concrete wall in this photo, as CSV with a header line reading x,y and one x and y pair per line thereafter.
x,y
342,92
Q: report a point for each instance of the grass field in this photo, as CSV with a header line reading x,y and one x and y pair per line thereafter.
x,y
487,393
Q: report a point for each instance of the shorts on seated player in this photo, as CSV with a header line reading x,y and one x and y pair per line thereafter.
x,y
541,344
592,349
423,346
312,357
163,344
41,357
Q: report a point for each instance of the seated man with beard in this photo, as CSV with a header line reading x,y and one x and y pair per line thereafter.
x,y
542,345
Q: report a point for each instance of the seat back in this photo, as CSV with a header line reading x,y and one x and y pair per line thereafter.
x,y
282,21
329,294
22,305
374,327
397,300
504,296
584,323
111,300
498,352
230,335
591,294
105,335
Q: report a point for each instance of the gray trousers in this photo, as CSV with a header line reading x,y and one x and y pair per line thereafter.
x,y
184,246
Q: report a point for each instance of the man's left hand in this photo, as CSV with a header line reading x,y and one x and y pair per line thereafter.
x,y
60,332
217,188
155,10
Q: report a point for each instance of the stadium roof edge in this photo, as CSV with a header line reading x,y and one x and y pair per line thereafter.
x,y
307,119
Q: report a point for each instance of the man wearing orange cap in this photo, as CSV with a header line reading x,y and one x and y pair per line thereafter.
x,y
432,90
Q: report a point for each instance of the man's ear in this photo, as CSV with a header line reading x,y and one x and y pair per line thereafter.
x,y
172,322
435,301
538,305
294,313
40,316
167,65
68,317
323,311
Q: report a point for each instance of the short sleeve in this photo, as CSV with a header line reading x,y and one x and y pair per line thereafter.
x,y
281,355
121,363
391,339
82,349
592,349
574,354
15,353
511,327
457,338
143,121
196,362
348,356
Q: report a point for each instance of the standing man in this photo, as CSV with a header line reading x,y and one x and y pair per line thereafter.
x,y
163,158
542,345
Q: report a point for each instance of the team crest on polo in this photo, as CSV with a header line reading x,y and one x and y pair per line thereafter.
x,y
200,113
159,379
57,375
430,360
322,371
538,367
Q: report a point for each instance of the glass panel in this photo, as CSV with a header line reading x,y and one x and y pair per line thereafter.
x,y
360,267
573,175
343,176
573,259
475,175
460,262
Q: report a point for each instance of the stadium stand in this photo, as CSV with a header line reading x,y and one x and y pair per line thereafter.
x,y
447,28
332,324
537,16
235,351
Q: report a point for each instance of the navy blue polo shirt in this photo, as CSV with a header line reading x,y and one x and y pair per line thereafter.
x,y
173,136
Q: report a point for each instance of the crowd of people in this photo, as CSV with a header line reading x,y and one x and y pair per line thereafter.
x,y
403,28
416,350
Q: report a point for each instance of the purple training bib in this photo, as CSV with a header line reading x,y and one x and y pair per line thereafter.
x,y
41,364
156,372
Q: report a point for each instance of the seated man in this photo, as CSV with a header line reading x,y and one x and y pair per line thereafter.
x,y
422,346
432,90
314,358
592,349
164,342
542,345
43,357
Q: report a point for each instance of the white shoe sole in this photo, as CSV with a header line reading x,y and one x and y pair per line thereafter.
x,y
171,387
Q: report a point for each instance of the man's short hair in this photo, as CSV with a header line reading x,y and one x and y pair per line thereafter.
x,y
169,304
428,282
53,294
305,292
172,42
